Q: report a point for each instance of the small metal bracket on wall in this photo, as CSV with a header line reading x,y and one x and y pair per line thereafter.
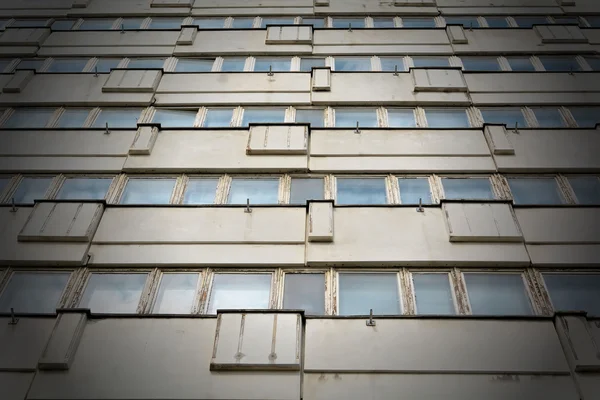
x,y
371,321
420,208
13,206
13,320
270,73
357,130
248,209
396,70
107,131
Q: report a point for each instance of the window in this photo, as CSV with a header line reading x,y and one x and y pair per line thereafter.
x,y
430,62
307,64
304,189
275,64
418,22
383,22
194,65
315,22
34,292
467,22
392,64
84,189
314,117
29,23
200,191
586,188
73,118
239,291
446,118
535,191
63,24
263,115
233,64
549,117
4,181
433,295
30,189
560,64
348,22
242,23
258,191
467,189
593,62
113,292
593,21
574,292
175,118
349,117
165,23
106,64
510,116
566,20
401,117
176,293
32,63
520,64
3,23
586,117
148,191
131,23
497,22
497,294
67,65
29,118
146,63
361,191
304,292
359,293
218,117
352,63
528,22
4,64
117,118
276,21
96,24
210,23
414,189
481,64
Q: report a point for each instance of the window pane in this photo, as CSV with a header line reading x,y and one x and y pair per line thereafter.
x,y
528,22
348,117
480,63
430,62
497,294
194,65
176,294
403,118
131,23
276,64
576,292
73,118
383,22
305,292
96,24
4,183
242,23
433,294
586,188
413,189
548,117
497,22
418,22
307,64
508,116
566,20
560,64
239,291
218,117
316,118
84,189
35,64
259,191
29,23
29,118
594,21
392,64
467,188
113,293
535,191
4,64
440,118
106,64
315,22
117,118
175,118
361,191
200,191
63,24
263,115
33,292
165,23
352,63
304,189
146,63
467,22
233,64
210,23
586,117
31,189
148,191
277,21
593,62
359,293
347,22
520,64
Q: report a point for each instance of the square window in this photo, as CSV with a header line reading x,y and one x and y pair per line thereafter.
x,y
446,118
117,118
239,291
210,23
242,23
104,65
497,22
520,64
574,292
315,22
176,293
84,189
361,191
383,22
510,116
348,22
165,23
31,189
401,118
586,117
146,63
431,62
304,292
593,62
535,191
113,293
200,191
218,117
29,23
481,64
233,64
414,189
194,65
315,117
63,24
175,118
34,292
467,189
349,117
4,64
528,22
259,191
276,21
352,63
392,64
304,189
73,118
560,64
418,23
549,118
307,64
29,118
66,65
497,294
467,22
586,188
359,293
148,191
263,115
32,63
433,295
275,64
97,24
131,23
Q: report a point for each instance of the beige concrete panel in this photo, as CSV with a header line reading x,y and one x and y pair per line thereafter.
x,y
144,141
5,79
120,8
207,151
496,3
289,35
62,344
222,255
589,384
320,222
430,345
277,140
223,82
361,49
171,3
576,255
15,384
427,386
233,99
438,80
360,7
137,354
592,34
236,42
321,79
35,4
198,11
402,164
484,222
253,3
498,141
16,51
132,81
403,236
24,36
106,51
543,82
560,34
19,80
63,164
369,37
560,225
551,150
578,336
494,10
535,99
211,225
21,345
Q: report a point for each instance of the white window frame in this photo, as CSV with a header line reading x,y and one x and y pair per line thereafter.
x,y
156,285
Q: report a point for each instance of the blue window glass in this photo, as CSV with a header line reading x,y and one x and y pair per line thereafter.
x,y
528,22
257,190
433,295
307,64
73,118
31,188
263,115
200,191
66,65
29,23
392,64
304,292
239,291
304,189
520,64
446,118
467,22
467,189
349,117
34,292
131,23
84,189
113,293
497,22
98,24
383,22
510,116
274,64
549,117
413,190
175,118
63,24
194,65
148,191
593,21
165,23
276,21
418,22
176,293
586,117
567,20
560,64
146,63
497,294
104,65
315,117
315,22
242,23
117,118
361,191
586,188
210,23
481,64
348,22
352,63
574,292
401,118
218,117
32,63
593,62
430,62
29,118
360,293
233,64
535,191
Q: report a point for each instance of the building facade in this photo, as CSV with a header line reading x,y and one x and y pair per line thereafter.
x,y
299,199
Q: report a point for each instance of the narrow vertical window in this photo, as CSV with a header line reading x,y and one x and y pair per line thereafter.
x,y
305,292
200,191
304,189
433,294
413,190
176,293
